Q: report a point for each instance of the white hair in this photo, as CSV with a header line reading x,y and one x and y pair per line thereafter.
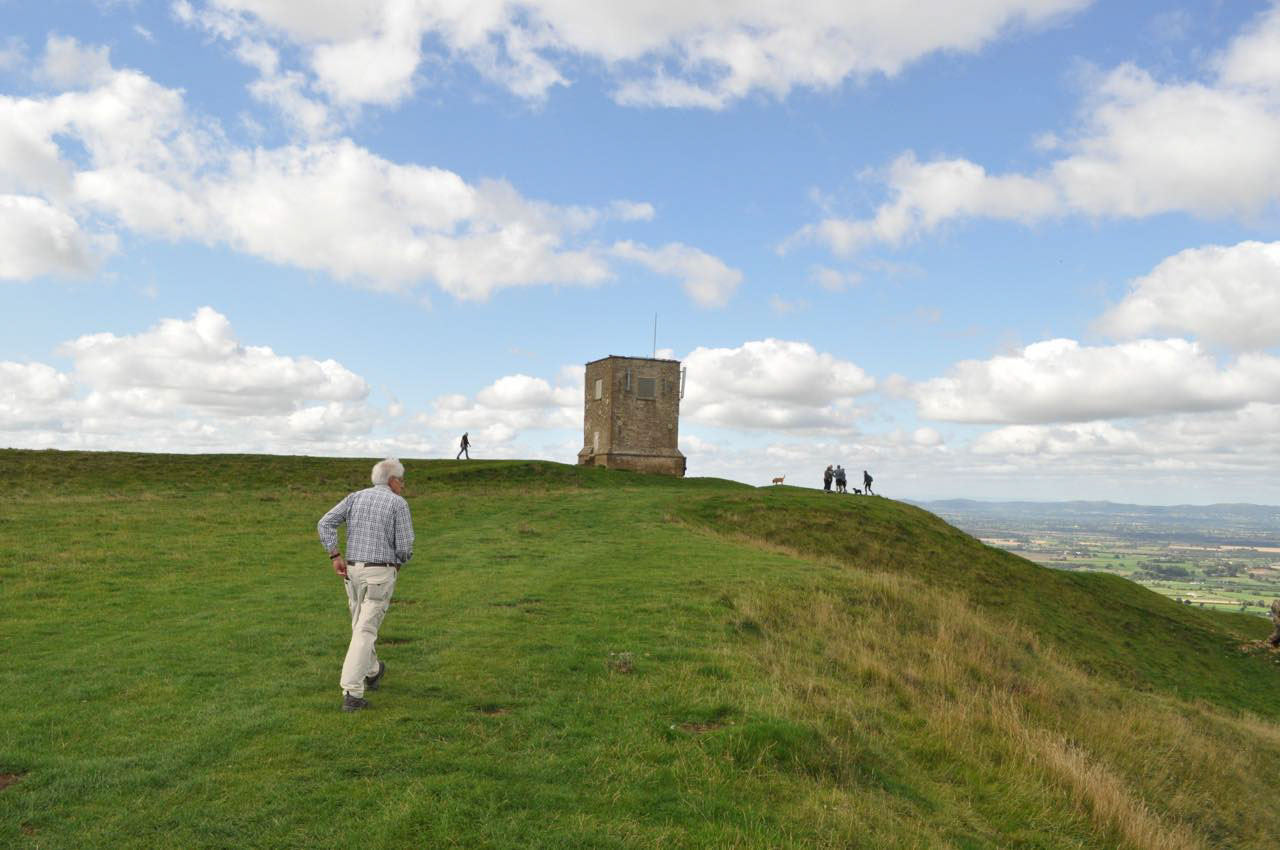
x,y
385,470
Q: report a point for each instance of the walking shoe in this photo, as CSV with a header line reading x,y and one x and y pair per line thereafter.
x,y
350,703
371,682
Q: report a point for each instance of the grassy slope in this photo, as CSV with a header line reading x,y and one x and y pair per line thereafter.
x,y
809,670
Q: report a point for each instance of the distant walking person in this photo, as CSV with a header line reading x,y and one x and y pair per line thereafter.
x,y
866,483
827,475
1274,640
841,480
379,540
465,444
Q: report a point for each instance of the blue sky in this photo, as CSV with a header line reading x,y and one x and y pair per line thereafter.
x,y
1023,249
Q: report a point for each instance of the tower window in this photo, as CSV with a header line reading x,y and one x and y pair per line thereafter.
x,y
599,388
646,388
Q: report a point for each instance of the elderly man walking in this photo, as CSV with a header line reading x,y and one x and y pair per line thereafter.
x,y
379,540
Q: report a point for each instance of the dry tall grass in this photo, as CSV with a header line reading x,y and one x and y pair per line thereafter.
x,y
1130,769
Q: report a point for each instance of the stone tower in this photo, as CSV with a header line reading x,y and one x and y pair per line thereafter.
x,y
631,417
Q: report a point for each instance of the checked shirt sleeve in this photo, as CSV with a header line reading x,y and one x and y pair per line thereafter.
x,y
404,532
328,525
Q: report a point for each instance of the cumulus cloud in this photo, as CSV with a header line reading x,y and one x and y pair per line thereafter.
x,y
69,64
1194,445
1066,439
1142,147
328,205
31,395
510,406
659,54
772,384
37,239
1183,457
184,384
1225,295
198,364
928,194
706,279
1062,381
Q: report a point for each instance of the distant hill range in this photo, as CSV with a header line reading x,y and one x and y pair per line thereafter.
x,y
1227,524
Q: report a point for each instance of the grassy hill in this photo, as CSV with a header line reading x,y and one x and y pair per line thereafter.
x,y
586,658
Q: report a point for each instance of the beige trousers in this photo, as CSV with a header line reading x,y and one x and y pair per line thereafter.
x,y
368,596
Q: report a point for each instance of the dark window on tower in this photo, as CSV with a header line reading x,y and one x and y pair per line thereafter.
x,y
646,388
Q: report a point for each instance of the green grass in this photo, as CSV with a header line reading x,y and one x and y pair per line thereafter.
x,y
807,671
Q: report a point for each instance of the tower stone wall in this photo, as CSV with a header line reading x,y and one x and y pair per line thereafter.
x,y
631,415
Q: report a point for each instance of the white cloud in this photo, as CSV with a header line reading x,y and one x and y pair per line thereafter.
x,y
1175,458
664,53
32,395
834,280
69,64
368,70
706,279
928,194
631,211
336,207
928,437
38,239
1067,439
1239,442
199,365
771,384
186,385
304,116
1252,60
1141,147
13,53
1061,381
1226,295
510,406
329,206
1148,148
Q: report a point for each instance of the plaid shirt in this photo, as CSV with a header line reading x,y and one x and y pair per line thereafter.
x,y
379,527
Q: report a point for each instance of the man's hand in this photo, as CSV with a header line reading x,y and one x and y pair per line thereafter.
x,y
340,566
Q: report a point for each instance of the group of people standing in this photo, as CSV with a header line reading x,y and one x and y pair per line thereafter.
x,y
836,475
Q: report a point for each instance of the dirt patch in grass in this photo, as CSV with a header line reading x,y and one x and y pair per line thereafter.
x,y
492,710
395,601
395,641
28,829
7,779
699,728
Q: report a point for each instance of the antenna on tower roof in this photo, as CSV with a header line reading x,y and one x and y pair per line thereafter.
x,y
655,336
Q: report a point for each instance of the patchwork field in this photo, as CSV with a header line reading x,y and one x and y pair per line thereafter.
x,y
585,658
1219,556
